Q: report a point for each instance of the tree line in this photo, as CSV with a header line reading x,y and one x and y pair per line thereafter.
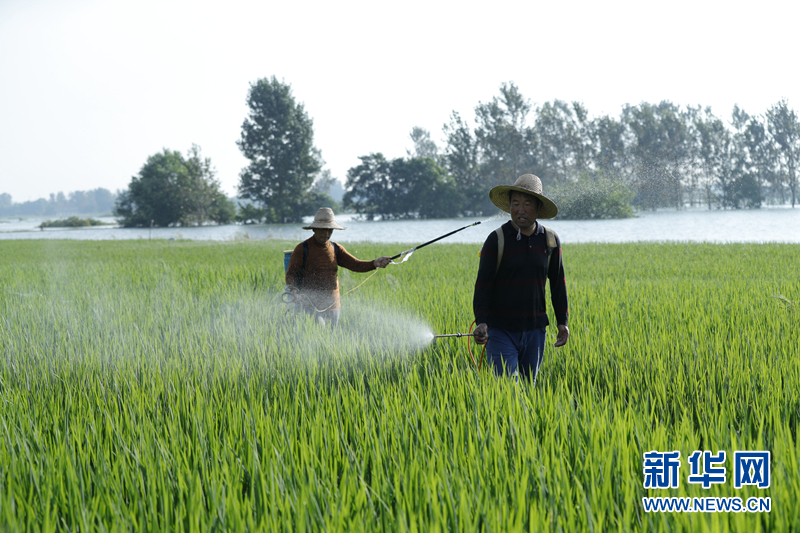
x,y
93,202
650,156
663,154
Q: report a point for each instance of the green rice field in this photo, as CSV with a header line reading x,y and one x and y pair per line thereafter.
x,y
162,386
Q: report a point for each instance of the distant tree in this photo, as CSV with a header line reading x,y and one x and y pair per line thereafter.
x,y
761,151
600,196
402,188
564,140
278,139
784,127
320,193
504,137
423,144
610,140
103,200
369,186
250,214
5,202
661,149
462,160
173,190
711,150
422,188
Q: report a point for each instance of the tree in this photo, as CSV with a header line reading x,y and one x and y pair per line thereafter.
x,y
711,149
278,139
503,137
461,158
661,149
610,140
589,196
173,190
5,202
784,128
368,186
423,144
564,140
401,188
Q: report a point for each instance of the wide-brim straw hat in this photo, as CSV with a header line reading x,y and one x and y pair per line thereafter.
x,y
527,184
324,220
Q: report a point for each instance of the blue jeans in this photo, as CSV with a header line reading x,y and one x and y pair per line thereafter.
x,y
519,352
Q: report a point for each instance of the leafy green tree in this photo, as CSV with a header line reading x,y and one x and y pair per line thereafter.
x,y
590,196
173,190
762,154
610,141
504,138
711,149
423,144
564,140
250,214
278,139
784,127
462,160
661,149
422,188
368,186
401,188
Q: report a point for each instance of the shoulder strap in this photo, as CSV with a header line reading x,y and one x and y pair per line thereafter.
x,y
336,251
551,244
298,279
500,245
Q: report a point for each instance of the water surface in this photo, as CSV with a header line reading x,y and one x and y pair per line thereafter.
x,y
770,224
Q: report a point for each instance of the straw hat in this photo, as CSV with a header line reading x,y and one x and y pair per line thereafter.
x,y
324,220
528,184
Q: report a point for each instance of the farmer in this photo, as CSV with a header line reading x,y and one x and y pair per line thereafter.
x,y
509,300
312,273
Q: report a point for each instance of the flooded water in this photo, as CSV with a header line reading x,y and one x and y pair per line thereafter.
x,y
770,224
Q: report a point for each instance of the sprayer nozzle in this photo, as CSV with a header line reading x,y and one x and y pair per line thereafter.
x,y
455,335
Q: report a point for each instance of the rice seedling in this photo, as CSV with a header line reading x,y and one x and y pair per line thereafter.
x,y
161,386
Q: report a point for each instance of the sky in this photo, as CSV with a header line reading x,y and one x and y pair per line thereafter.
x,y
89,89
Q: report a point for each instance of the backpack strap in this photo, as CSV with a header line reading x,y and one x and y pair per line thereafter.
x,y
500,244
551,244
298,279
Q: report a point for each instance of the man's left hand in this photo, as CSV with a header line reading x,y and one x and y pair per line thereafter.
x,y
563,335
381,262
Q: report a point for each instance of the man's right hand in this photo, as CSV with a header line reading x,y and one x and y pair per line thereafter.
x,y
481,334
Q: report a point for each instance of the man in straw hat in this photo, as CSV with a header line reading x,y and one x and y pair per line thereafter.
x,y
516,261
313,267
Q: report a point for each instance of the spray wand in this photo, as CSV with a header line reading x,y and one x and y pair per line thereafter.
x,y
410,251
477,365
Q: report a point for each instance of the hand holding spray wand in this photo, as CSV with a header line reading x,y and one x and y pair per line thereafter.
x,y
477,365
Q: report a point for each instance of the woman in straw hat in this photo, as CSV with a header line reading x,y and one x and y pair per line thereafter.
x,y
509,299
313,269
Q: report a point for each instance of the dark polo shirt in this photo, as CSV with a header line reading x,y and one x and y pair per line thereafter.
x,y
514,299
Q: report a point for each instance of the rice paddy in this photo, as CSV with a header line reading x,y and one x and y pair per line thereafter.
x,y
162,386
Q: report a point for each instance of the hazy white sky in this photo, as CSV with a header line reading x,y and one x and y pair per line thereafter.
x,y
89,89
